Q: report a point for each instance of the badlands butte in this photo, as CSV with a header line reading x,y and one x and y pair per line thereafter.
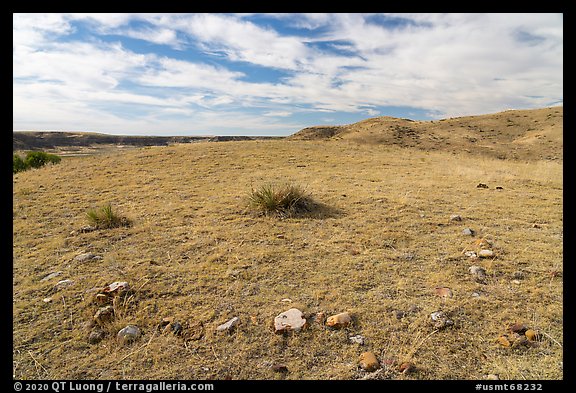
x,y
437,244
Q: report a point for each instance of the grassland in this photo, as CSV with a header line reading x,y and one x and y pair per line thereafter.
x,y
195,252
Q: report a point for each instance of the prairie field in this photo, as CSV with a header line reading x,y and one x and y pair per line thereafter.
x,y
383,238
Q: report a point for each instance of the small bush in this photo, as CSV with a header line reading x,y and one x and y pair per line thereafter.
x,y
105,218
18,164
283,201
33,159
37,159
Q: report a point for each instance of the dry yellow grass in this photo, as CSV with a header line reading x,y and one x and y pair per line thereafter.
x,y
197,254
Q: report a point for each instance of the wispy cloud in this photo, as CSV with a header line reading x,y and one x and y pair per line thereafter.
x,y
264,72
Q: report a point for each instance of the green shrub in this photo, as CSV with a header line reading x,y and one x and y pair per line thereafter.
x,y
36,159
18,164
105,218
283,201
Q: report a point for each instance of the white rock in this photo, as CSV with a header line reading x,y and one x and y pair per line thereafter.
x,y
455,217
228,326
63,284
468,231
477,270
485,253
358,339
86,257
470,254
291,320
51,275
117,287
437,315
129,334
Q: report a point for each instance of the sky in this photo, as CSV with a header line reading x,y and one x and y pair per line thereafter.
x,y
274,74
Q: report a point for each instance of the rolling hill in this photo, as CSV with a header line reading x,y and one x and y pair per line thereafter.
x,y
516,134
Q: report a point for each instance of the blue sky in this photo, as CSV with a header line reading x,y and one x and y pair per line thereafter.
x,y
274,74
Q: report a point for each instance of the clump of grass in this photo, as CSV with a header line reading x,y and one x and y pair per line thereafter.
x,y
287,200
105,218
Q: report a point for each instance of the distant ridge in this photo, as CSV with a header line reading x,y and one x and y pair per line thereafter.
x,y
518,134
34,140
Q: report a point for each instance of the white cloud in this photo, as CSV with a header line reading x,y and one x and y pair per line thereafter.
x,y
446,64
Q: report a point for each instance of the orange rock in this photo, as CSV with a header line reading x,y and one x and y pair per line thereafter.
x,y
443,292
503,340
368,361
531,335
339,320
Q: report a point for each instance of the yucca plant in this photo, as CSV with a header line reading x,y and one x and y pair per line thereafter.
x,y
286,200
105,218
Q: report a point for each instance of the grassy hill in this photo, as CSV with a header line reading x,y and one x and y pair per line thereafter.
x,y
517,134
385,240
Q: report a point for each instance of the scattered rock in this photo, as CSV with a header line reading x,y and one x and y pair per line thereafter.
x,y
47,299
279,368
358,339
478,272
441,320
51,275
339,320
468,232
499,188
399,314
291,320
478,294
368,361
286,300
493,377
86,257
503,340
518,275
96,336
516,282
176,328
87,229
104,315
532,335
228,326
407,367
486,253
116,288
471,254
63,284
518,327
280,236
455,217
443,292
101,299
536,226
128,334
481,185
